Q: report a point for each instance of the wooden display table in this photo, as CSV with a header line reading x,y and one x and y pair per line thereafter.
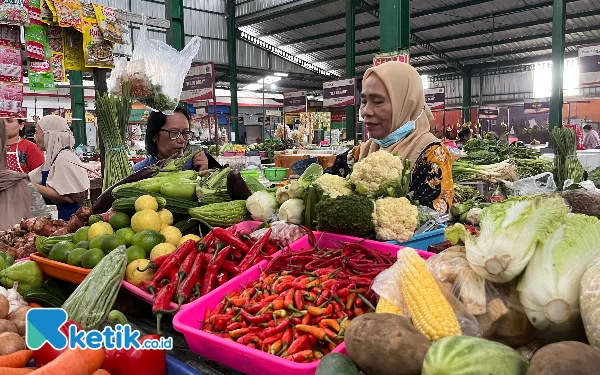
x,y
286,161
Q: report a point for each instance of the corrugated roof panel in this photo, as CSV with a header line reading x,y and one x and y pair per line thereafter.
x,y
212,50
365,47
115,3
150,9
211,5
368,33
248,55
279,64
258,5
152,34
205,24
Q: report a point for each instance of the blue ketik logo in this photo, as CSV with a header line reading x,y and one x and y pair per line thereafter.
x,y
43,326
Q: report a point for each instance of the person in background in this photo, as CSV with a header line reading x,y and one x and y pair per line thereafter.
x,y
168,136
23,156
397,119
65,180
135,143
463,136
591,139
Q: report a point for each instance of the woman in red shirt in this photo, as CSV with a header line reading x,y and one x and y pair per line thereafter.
x,y
23,156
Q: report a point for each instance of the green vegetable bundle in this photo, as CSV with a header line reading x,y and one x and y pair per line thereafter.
x,y
113,116
566,164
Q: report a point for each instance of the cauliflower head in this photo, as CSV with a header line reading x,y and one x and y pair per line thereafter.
x,y
369,174
333,185
395,219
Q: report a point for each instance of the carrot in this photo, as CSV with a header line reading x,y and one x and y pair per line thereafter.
x,y
17,359
77,361
16,371
101,372
33,304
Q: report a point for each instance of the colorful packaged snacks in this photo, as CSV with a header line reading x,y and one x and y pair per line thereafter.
x,y
58,67
11,100
10,65
10,36
40,75
97,52
69,14
108,23
73,50
14,12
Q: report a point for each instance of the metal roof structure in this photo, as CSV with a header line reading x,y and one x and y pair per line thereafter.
x,y
446,35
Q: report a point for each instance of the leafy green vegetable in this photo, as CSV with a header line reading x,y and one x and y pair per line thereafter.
x,y
346,214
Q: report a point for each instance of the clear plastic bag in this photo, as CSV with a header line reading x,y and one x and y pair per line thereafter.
x,y
283,233
542,183
157,71
589,300
117,75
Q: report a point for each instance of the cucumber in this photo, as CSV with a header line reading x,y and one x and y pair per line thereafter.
x,y
336,364
44,245
44,297
175,205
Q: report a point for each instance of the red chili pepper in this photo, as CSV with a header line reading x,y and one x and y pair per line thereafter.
x,y
296,346
161,303
332,335
185,288
256,308
175,257
256,319
237,333
186,266
247,339
234,326
256,329
230,239
272,339
156,263
289,300
343,292
298,299
222,278
306,319
254,251
210,278
312,341
287,338
296,320
350,300
227,266
278,328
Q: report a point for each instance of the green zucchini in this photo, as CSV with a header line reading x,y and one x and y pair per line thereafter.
x,y
175,205
93,299
44,297
221,214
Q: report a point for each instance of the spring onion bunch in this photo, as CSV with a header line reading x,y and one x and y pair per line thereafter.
x,y
566,164
498,172
113,114
531,167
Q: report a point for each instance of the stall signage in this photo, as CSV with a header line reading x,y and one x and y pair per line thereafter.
x,y
488,113
270,112
382,58
294,102
436,98
339,93
536,106
589,65
199,83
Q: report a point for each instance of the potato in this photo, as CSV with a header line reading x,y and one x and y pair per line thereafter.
x,y
21,327
19,314
11,342
7,326
4,306
386,344
566,357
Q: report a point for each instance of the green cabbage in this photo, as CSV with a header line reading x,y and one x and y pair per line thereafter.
x,y
549,288
509,234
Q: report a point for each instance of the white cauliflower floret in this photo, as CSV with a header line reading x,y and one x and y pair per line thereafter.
x,y
333,185
376,169
395,219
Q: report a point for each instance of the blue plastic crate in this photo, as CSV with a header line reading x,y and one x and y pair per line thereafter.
x,y
423,240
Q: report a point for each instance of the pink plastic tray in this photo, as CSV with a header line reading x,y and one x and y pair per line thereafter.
x,y
240,357
147,297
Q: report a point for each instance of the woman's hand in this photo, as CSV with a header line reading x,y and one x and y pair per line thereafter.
x,y
200,161
48,192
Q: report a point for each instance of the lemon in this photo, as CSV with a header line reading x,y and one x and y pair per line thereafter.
x,y
98,229
135,277
161,249
146,202
188,237
166,216
145,220
172,235
163,226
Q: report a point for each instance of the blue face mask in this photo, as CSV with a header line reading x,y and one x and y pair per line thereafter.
x,y
398,134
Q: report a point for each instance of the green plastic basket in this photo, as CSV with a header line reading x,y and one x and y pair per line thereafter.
x,y
275,174
250,173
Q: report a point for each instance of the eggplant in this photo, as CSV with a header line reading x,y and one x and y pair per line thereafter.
x,y
106,199
237,187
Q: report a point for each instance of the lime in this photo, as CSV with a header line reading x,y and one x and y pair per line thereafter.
x,y
134,253
111,242
75,255
146,219
91,257
147,239
96,243
83,244
172,234
126,234
146,202
119,220
98,229
81,234
60,251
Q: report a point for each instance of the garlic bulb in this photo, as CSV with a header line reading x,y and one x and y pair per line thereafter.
x,y
14,298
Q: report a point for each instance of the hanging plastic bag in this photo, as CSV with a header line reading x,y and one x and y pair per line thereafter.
x,y
542,183
157,71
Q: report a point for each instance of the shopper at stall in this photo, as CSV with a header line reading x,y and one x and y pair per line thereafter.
x,y
167,136
463,136
397,119
23,156
591,139
65,180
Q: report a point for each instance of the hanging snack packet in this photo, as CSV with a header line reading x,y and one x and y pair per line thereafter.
x,y
52,8
10,36
36,37
123,25
97,52
69,13
46,14
55,39
11,100
14,12
40,75
108,23
58,67
10,65
73,50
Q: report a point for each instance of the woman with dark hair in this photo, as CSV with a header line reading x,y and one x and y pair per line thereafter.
x,y
167,136
23,156
591,139
463,136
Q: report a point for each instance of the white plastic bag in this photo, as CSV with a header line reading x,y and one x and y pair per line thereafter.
x,y
542,183
157,71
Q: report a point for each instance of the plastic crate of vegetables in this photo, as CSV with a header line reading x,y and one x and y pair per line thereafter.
x,y
220,347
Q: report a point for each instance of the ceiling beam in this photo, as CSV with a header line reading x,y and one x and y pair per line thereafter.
x,y
261,72
335,17
339,45
283,10
587,13
447,8
329,34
